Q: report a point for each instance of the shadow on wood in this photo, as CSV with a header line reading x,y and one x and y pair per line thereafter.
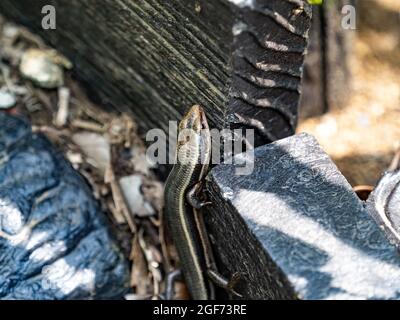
x,y
156,58
294,228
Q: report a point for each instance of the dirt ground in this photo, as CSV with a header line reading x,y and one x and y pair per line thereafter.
x,y
363,135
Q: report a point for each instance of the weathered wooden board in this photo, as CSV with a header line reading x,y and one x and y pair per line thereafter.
x,y
313,99
295,229
241,60
327,71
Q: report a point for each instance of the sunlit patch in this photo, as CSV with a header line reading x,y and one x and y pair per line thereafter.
x,y
238,28
36,239
62,276
48,251
356,273
243,3
301,282
11,217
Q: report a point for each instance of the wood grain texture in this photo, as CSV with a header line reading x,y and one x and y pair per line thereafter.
x,y
270,41
327,75
294,228
156,58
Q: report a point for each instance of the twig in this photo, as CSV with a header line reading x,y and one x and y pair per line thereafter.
x,y
395,164
119,200
139,271
5,71
163,241
52,133
152,264
42,97
87,125
63,107
118,216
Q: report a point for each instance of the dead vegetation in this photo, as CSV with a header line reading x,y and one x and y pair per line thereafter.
x,y
103,146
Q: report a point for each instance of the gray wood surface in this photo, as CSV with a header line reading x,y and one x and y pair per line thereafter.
x,y
294,228
327,78
241,60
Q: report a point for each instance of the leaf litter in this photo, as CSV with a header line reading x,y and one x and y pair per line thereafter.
x,y
104,146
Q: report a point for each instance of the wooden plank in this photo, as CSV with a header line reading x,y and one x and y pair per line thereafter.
x,y
241,60
327,71
294,228
313,98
